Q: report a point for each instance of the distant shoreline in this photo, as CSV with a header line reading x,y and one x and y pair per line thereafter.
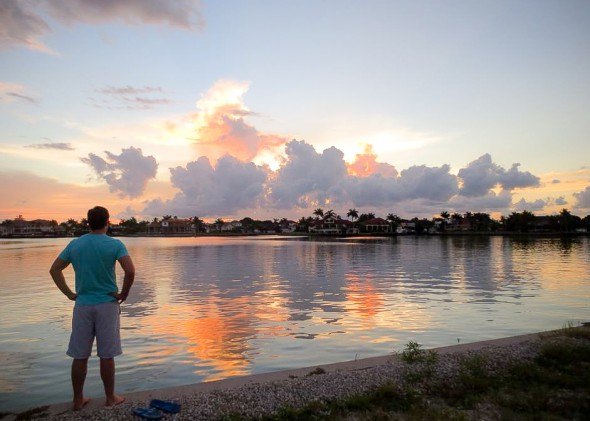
x,y
314,235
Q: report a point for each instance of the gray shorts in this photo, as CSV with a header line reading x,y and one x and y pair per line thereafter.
x,y
100,320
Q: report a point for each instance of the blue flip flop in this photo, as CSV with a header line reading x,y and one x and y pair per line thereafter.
x,y
148,413
166,406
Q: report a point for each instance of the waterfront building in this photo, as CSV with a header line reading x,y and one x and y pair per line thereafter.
x,y
376,225
171,226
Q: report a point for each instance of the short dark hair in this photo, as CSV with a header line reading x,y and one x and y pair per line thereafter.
x,y
98,217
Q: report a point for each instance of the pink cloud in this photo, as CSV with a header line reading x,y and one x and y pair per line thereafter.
x,y
366,164
220,126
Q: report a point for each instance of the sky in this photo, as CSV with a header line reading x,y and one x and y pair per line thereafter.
x,y
274,108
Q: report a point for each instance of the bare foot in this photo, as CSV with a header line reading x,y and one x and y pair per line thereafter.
x,y
115,400
81,404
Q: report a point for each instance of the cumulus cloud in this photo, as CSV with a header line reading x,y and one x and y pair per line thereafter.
x,y
560,201
220,127
22,22
127,174
207,190
533,206
514,178
555,181
306,176
366,164
583,199
53,145
431,184
481,175
373,190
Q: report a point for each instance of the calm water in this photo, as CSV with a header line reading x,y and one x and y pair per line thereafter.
x,y
209,308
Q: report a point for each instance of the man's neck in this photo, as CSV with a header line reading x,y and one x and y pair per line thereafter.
x,y
100,231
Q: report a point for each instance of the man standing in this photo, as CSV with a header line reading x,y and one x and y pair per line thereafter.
x,y
96,312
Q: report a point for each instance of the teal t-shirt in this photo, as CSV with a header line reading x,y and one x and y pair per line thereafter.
x,y
93,257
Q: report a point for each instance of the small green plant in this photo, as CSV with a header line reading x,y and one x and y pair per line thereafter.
x,y
431,357
413,352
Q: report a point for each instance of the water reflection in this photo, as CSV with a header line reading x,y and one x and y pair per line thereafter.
x,y
210,308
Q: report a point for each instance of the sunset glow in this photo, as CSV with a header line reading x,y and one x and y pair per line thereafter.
x,y
378,116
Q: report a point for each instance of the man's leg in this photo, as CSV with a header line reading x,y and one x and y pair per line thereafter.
x,y
79,369
107,374
79,349
108,344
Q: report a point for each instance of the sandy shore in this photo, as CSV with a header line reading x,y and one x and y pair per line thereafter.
x,y
259,394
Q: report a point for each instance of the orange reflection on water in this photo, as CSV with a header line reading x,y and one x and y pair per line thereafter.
x,y
362,299
372,310
213,337
216,331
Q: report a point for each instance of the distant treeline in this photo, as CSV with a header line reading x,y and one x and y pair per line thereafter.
x,y
520,222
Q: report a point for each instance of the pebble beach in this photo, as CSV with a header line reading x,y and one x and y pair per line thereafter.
x,y
260,398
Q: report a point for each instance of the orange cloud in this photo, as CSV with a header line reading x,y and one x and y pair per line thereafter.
x,y
366,164
228,133
220,126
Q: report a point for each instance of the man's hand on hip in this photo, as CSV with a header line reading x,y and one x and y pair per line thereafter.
x,y
119,296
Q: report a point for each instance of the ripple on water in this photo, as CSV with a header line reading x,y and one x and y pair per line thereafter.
x,y
209,308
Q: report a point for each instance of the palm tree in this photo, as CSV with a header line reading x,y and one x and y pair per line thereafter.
x,y
71,225
394,220
352,214
318,212
468,216
445,217
565,218
198,224
219,223
330,214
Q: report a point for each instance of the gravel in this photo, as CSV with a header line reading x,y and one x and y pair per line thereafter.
x,y
259,399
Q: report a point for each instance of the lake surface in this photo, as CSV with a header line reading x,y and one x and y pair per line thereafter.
x,y
209,308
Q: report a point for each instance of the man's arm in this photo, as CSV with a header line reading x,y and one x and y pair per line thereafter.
x,y
57,274
129,269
